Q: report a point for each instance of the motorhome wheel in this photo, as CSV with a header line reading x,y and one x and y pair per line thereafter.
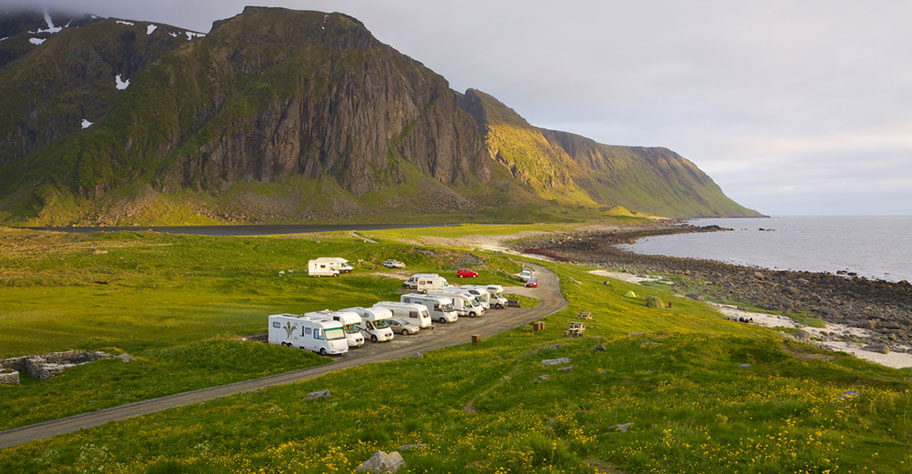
x,y
322,351
442,320
472,315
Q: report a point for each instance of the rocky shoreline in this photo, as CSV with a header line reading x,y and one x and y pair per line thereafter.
x,y
882,308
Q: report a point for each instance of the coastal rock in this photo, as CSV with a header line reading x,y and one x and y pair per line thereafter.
x,y
801,336
883,348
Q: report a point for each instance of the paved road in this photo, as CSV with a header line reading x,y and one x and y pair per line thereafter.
x,y
493,322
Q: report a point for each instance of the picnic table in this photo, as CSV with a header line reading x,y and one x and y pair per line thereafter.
x,y
585,315
576,329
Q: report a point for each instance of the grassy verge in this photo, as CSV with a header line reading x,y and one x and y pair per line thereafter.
x,y
703,395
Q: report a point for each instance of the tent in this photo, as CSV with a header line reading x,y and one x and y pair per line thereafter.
x,y
630,294
654,302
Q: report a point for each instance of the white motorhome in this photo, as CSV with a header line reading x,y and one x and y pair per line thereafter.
x,y
481,294
374,323
425,282
349,320
464,302
328,266
440,307
419,309
293,330
497,299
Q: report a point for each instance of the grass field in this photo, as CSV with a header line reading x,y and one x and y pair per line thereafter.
x,y
175,302
704,394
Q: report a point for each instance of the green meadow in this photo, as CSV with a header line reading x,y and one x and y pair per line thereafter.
x,y
703,394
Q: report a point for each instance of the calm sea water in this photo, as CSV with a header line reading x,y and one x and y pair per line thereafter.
x,y
874,247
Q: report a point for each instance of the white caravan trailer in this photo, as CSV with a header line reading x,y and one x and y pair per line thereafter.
x,y
465,302
328,266
425,282
481,294
323,336
497,298
441,307
413,312
374,323
349,320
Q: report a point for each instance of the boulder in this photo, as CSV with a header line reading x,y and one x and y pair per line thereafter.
x,y
317,394
382,462
881,347
558,361
802,336
9,377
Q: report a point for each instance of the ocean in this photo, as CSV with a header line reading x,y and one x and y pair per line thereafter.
x,y
874,247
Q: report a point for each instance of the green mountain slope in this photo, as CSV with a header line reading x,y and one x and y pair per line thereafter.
x,y
575,169
282,116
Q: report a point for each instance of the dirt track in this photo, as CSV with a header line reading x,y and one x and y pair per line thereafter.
x,y
493,322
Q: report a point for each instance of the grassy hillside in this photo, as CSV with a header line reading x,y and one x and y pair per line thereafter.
x,y
703,394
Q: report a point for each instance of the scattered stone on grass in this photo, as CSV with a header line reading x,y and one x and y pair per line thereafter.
x,y
849,394
9,377
417,355
622,427
555,347
632,334
744,366
318,394
542,377
650,343
100,252
567,368
409,447
602,371
382,462
125,357
558,361
599,347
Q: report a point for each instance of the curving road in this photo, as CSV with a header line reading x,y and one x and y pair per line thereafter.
x,y
493,322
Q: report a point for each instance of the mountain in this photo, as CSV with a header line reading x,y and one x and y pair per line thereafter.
x,y
280,115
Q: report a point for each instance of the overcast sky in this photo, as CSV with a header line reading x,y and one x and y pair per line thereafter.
x,y
792,107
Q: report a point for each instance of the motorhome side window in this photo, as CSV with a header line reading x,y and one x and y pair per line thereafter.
x,y
407,300
436,307
307,331
318,334
413,314
276,324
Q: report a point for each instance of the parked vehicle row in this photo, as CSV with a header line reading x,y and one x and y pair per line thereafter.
x,y
335,332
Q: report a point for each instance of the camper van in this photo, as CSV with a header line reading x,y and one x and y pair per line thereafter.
x,y
481,295
373,322
439,308
328,266
349,321
464,302
318,335
497,299
425,281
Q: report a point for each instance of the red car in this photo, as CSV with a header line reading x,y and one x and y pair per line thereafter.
x,y
466,273
533,283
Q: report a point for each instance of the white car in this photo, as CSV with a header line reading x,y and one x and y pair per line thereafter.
x,y
391,263
525,276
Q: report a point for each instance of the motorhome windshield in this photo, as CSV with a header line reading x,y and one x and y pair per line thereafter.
x,y
479,300
334,333
499,294
381,324
474,303
446,308
351,329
